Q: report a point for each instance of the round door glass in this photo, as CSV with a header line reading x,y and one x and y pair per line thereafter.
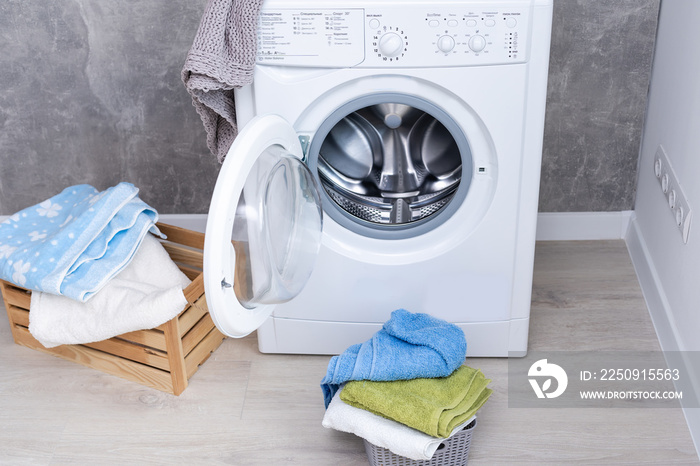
x,y
276,231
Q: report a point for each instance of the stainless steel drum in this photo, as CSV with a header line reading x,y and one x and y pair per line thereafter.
x,y
390,164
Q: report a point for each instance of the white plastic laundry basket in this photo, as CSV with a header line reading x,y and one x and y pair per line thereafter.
x,y
452,452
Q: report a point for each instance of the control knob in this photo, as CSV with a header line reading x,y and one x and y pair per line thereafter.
x,y
446,43
391,44
477,43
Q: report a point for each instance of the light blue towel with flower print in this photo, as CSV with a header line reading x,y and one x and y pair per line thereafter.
x,y
73,243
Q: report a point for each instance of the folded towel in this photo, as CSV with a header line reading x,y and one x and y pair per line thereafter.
x,y
146,294
408,346
382,432
434,406
76,241
222,58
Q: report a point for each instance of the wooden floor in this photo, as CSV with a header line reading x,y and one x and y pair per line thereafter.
x,y
247,408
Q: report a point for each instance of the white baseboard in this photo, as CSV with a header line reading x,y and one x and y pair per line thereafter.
x,y
564,226
692,417
653,291
575,226
557,226
194,222
661,315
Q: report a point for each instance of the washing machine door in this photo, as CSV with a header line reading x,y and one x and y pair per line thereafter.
x,y
264,227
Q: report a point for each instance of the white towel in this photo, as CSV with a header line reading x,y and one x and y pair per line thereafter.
x,y
146,294
400,439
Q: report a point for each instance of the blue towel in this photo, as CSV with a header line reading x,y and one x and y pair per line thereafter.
x,y
409,346
74,242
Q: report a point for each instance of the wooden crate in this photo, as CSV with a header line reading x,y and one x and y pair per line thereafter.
x,y
163,358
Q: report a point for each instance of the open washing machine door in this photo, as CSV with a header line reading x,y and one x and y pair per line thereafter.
x,y
264,227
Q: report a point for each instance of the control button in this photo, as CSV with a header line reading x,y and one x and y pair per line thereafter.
x,y
433,23
446,43
374,23
477,43
391,44
452,23
490,22
471,23
511,22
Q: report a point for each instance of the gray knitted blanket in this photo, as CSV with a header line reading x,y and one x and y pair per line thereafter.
x,y
221,59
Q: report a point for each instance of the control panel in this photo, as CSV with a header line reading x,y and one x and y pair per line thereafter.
x,y
312,37
427,35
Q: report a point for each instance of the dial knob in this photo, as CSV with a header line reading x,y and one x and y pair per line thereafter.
x,y
391,44
446,43
477,43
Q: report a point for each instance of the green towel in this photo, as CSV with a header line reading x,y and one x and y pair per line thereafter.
x,y
434,406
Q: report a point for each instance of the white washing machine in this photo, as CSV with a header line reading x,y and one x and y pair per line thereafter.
x,y
417,126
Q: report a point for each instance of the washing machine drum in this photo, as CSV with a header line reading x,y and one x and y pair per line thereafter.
x,y
263,229
390,164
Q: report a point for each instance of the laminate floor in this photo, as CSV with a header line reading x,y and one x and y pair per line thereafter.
x,y
247,408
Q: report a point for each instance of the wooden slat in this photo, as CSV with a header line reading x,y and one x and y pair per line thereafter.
x,y
194,294
202,351
3,286
125,349
193,314
16,296
18,316
176,356
152,338
115,346
195,289
197,333
190,272
185,255
14,315
190,315
114,365
189,238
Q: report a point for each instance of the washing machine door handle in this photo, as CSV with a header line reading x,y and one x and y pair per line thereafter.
x,y
263,229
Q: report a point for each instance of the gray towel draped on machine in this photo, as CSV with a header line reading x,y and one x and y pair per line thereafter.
x,y
221,59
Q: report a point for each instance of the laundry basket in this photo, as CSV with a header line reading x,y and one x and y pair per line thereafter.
x,y
452,452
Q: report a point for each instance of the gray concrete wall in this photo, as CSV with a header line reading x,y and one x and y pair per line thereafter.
x,y
90,92
600,65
